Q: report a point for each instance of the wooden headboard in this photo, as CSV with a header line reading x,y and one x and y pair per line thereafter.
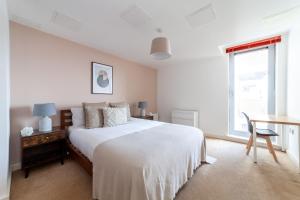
x,y
65,118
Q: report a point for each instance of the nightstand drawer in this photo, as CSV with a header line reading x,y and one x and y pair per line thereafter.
x,y
41,139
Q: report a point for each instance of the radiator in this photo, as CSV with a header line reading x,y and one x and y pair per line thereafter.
x,y
185,117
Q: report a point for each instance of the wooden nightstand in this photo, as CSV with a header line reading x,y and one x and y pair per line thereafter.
x,y
149,117
41,148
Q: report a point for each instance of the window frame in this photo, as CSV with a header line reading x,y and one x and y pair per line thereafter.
x,y
271,86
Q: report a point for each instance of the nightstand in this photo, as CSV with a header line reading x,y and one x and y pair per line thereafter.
x,y
149,117
41,148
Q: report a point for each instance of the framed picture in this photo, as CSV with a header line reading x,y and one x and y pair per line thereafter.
x,y
102,78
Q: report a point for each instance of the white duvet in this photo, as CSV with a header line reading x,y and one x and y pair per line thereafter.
x,y
141,160
86,140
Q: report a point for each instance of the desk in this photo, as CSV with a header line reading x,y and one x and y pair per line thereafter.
x,y
283,120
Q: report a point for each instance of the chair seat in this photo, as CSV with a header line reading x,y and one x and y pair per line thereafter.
x,y
265,132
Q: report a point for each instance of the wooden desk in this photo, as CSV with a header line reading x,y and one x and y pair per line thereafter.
x,y
284,120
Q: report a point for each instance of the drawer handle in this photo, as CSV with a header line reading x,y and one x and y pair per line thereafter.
x,y
47,138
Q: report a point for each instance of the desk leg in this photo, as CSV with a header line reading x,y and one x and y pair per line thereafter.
x,y
254,143
283,145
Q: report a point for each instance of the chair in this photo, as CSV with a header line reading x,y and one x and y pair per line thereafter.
x,y
261,133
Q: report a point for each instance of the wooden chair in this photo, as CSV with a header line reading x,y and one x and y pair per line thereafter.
x,y
261,133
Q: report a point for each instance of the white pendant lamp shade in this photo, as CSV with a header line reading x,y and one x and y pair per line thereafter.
x,y
161,48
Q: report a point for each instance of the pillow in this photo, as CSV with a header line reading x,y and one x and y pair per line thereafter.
x,y
114,116
122,104
93,114
77,116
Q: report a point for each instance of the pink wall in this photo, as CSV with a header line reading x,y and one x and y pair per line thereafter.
x,y
46,68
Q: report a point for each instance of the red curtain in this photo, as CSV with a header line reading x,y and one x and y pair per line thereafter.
x,y
255,44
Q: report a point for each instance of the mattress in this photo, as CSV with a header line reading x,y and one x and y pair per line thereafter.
x,y
86,140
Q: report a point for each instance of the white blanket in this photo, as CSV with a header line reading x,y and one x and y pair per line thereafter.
x,y
148,164
86,140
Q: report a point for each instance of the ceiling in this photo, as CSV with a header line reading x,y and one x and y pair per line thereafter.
x,y
98,24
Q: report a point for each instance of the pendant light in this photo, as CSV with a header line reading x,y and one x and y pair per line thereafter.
x,y
160,48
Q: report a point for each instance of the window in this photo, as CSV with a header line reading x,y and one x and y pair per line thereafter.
x,y
252,87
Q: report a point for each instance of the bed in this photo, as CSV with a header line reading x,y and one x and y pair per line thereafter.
x,y
140,160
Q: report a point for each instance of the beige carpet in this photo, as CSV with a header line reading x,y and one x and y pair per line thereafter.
x,y
232,177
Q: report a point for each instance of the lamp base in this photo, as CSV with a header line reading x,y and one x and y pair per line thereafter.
x,y
45,124
143,112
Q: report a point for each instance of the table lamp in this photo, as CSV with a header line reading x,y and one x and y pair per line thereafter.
x,y
143,105
44,111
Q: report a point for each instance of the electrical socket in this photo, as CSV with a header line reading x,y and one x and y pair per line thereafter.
x,y
292,131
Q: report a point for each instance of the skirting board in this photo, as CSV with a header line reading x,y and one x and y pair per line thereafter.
x,y
9,184
15,167
6,197
239,140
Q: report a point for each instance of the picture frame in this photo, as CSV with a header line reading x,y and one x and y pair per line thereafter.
x,y
102,78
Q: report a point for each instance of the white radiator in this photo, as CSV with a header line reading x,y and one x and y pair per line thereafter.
x,y
185,117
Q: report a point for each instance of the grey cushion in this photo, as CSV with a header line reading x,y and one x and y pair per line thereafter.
x,y
94,114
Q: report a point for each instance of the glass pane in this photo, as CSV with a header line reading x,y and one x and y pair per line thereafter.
x,y
251,86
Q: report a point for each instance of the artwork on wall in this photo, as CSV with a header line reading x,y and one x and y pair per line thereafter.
x,y
102,78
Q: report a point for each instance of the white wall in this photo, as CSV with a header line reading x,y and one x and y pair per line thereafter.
x,y
199,85
293,100
293,91
4,102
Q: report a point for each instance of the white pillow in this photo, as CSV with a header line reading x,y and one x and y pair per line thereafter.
x,y
114,116
77,116
122,104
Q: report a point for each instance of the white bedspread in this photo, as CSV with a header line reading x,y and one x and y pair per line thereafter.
x,y
86,140
141,160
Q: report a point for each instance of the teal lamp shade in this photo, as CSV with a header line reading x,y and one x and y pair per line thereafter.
x,y
45,109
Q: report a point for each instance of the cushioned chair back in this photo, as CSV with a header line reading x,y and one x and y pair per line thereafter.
x,y
250,127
